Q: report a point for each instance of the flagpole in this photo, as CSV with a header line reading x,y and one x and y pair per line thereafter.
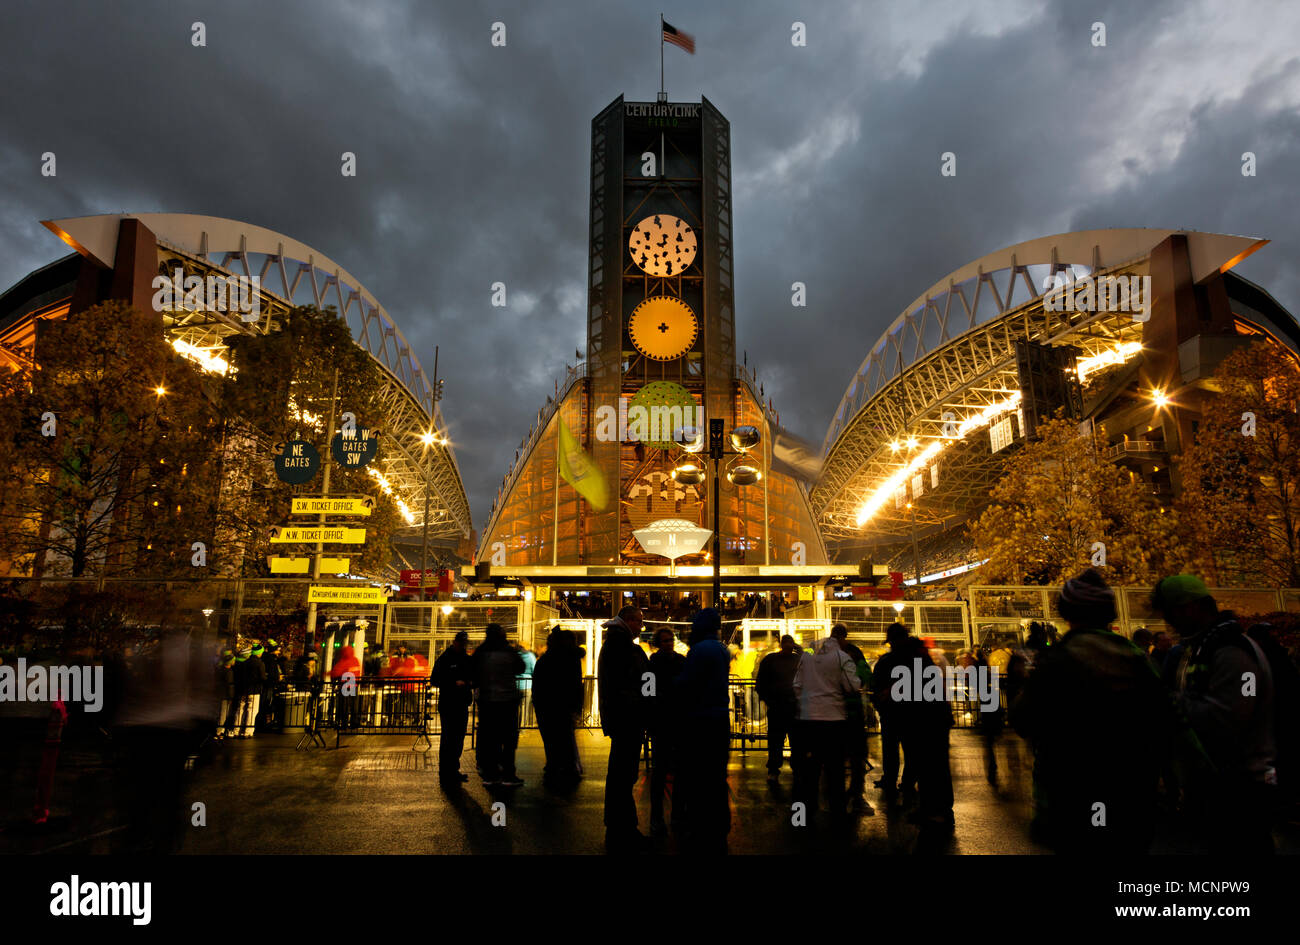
x,y
662,93
767,465
555,526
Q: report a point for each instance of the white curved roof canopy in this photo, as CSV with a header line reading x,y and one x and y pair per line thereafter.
x,y
1003,280
301,275
297,272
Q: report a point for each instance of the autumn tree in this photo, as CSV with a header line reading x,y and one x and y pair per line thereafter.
x,y
107,466
1060,507
1241,476
281,388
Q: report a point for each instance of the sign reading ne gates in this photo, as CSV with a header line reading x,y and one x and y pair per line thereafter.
x,y
355,451
329,505
298,463
328,534
346,595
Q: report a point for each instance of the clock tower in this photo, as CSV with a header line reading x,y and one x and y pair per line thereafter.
x,y
660,340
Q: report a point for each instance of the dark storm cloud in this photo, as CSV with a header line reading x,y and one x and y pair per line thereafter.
x,y
473,168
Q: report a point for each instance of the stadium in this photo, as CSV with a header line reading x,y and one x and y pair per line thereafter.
x,y
121,257
1122,328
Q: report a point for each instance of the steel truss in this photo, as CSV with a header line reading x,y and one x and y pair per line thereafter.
x,y
956,379
405,397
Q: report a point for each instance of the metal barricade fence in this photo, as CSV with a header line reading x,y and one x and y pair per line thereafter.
x,y
389,705
365,705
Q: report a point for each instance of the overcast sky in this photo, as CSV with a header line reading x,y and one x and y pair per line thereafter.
x,y
473,167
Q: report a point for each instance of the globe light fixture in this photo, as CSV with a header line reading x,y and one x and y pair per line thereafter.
x,y
744,476
688,474
745,438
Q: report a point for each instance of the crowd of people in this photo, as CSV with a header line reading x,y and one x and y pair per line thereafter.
x,y
1195,722
1127,732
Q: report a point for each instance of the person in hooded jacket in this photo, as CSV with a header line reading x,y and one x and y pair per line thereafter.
x,y
925,727
349,698
497,668
704,692
1226,690
1102,726
620,673
453,675
225,683
250,676
823,681
888,707
557,700
274,680
666,726
775,686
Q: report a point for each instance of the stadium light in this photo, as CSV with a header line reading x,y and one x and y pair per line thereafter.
x,y
885,491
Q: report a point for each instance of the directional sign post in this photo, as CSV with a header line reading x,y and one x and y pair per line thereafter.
x,y
298,462
355,451
281,565
336,594
331,505
324,534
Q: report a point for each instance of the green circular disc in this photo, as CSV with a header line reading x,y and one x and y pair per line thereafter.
x,y
657,411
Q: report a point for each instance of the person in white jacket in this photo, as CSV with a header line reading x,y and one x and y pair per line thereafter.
x,y
823,680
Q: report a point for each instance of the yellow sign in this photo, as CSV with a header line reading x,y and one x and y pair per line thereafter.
x,y
303,565
543,592
346,595
805,592
329,534
330,505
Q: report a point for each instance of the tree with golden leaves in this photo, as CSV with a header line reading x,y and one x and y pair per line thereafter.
x,y
1060,507
106,460
1241,476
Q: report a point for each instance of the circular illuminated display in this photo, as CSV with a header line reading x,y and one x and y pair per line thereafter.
x,y
662,245
663,328
661,428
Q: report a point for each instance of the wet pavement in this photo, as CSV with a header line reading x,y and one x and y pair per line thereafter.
x,y
375,794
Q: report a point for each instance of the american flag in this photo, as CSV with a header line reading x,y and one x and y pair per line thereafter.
x,y
675,36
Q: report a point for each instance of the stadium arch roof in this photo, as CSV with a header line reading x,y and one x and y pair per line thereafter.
x,y
952,346
293,273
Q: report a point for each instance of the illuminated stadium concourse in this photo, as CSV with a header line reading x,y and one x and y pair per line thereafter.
x,y
119,255
962,375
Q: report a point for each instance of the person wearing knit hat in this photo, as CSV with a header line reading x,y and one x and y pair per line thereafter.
x,y
225,683
1226,690
1087,601
250,674
271,699
1101,726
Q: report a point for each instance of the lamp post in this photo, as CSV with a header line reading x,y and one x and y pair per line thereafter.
x,y
743,439
429,439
